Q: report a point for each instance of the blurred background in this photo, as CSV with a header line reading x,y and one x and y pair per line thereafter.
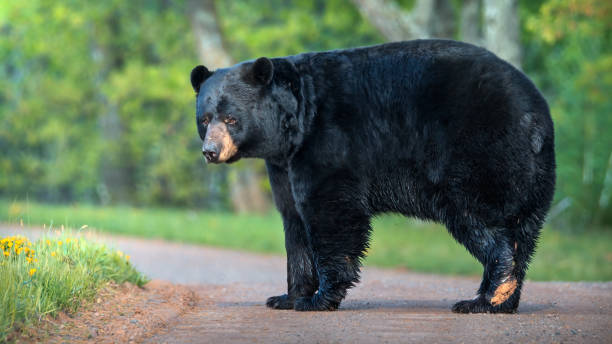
x,y
97,116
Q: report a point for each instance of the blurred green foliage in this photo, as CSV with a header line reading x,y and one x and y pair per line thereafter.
x,y
96,88
279,28
96,106
570,59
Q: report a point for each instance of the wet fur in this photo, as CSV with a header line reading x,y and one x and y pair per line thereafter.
x,y
434,129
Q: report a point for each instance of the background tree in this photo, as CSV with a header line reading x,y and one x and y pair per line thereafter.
x,y
501,29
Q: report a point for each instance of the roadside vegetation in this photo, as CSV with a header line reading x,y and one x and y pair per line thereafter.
x,y
54,274
396,241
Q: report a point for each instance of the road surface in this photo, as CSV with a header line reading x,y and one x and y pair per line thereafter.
x,y
388,306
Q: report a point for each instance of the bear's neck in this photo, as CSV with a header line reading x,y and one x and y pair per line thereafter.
x,y
323,86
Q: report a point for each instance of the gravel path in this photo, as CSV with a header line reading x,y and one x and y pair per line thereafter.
x,y
388,306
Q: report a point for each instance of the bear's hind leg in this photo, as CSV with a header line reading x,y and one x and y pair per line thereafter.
x,y
504,257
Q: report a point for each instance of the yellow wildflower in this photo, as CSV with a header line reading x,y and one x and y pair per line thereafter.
x,y
7,253
127,257
67,240
48,242
32,272
59,243
119,253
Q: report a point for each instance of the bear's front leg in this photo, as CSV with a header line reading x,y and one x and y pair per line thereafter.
x,y
301,276
338,225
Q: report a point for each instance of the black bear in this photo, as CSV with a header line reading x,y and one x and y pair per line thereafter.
x,y
435,129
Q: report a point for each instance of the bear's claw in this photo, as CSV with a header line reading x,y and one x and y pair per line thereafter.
x,y
280,302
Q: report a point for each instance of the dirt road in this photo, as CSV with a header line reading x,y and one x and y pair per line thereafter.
x,y
388,306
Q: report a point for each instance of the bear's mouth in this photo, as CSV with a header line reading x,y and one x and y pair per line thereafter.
x,y
233,158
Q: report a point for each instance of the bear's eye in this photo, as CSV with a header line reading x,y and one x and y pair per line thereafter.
x,y
205,121
230,120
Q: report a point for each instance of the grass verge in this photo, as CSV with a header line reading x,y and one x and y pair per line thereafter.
x,y
52,275
396,241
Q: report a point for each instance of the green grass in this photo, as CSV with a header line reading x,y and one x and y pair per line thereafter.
x,y
58,275
396,241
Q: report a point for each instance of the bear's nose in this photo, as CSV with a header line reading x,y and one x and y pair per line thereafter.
x,y
210,156
211,152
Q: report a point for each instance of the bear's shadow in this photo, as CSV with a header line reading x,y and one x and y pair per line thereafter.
x,y
419,305
416,306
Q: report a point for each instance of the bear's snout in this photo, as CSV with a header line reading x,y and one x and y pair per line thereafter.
x,y
218,144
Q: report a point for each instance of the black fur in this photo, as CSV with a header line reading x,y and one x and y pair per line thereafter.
x,y
434,129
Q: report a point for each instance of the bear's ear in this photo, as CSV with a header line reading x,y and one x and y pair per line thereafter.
x,y
198,75
263,70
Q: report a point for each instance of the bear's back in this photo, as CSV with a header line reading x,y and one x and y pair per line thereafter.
x,y
438,111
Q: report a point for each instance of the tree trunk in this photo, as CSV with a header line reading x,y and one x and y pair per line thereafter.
x,y
471,31
208,37
502,31
429,18
116,183
441,19
245,191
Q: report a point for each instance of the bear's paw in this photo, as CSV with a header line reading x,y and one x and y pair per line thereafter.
x,y
280,302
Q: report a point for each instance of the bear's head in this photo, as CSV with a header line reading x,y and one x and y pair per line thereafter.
x,y
245,110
